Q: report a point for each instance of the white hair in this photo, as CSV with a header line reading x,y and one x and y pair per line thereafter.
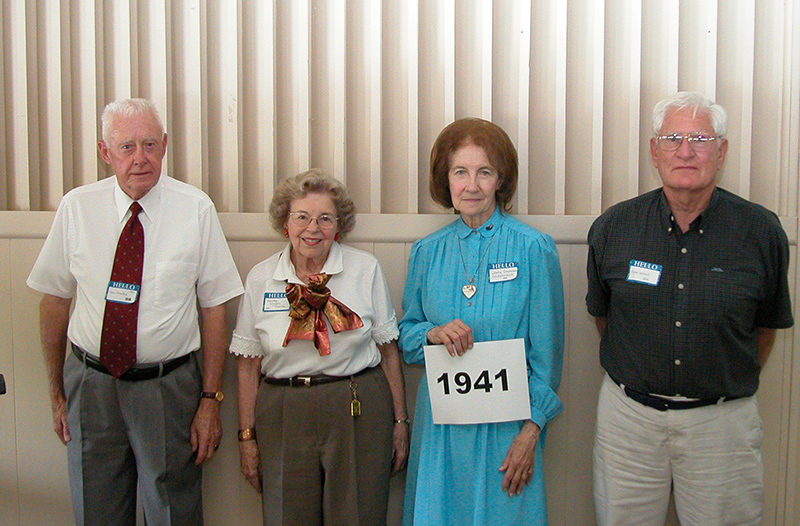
x,y
127,108
696,101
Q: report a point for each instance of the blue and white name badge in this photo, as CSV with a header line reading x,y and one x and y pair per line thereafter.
x,y
275,302
120,292
499,272
647,273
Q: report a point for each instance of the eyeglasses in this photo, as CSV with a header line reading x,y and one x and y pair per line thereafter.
x,y
697,141
303,219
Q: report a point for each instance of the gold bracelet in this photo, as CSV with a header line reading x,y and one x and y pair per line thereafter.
x,y
248,434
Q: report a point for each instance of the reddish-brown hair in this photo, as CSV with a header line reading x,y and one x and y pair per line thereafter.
x,y
494,141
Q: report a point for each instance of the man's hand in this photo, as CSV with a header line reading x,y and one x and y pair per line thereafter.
x,y
206,432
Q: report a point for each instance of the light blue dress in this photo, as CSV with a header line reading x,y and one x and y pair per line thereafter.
x,y
453,475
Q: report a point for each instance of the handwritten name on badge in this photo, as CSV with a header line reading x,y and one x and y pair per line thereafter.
x,y
119,292
642,272
499,272
275,302
488,383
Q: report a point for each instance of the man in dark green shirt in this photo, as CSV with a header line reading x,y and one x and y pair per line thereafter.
x,y
688,285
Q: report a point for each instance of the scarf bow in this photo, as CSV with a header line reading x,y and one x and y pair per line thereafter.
x,y
310,306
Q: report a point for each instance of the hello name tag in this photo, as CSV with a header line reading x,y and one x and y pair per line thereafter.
x,y
275,302
119,292
647,273
499,272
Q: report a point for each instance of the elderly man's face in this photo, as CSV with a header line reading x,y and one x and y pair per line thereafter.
x,y
135,150
685,170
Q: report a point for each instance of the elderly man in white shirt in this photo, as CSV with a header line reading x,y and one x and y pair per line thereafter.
x,y
151,419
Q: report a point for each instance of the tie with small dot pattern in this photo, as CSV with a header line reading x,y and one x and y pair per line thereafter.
x,y
120,321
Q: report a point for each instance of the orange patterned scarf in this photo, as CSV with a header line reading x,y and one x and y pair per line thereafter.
x,y
308,304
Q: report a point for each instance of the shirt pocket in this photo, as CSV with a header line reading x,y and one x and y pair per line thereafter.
x,y
731,294
174,284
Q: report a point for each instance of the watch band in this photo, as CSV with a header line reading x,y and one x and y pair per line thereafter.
x,y
247,434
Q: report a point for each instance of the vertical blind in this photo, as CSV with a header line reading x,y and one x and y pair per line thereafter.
x,y
253,91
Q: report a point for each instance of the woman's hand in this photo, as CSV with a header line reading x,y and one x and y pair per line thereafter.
x,y
518,463
399,446
250,461
456,336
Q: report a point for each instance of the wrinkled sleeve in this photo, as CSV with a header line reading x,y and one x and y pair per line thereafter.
x,y
51,273
218,279
414,326
245,340
775,309
598,293
546,332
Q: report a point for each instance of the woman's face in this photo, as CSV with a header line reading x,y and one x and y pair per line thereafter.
x,y
473,184
313,240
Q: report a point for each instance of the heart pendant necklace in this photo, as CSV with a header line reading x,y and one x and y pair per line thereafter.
x,y
470,288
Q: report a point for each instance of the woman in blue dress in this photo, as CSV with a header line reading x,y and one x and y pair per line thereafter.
x,y
481,474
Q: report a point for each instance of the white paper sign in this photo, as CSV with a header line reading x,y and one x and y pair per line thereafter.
x,y
489,383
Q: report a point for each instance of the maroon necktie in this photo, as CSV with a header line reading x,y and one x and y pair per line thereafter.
x,y
118,339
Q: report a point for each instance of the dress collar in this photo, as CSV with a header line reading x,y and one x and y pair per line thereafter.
x,y
487,230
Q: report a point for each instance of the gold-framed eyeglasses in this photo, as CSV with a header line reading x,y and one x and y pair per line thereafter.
x,y
697,141
303,219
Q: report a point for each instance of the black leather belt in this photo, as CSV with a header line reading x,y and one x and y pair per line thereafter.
x,y
310,381
662,404
135,373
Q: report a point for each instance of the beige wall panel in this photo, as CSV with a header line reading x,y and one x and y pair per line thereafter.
x,y
584,99
621,140
43,487
568,451
790,498
547,108
398,145
9,468
769,88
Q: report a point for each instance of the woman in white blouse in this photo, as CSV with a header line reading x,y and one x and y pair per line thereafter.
x,y
322,413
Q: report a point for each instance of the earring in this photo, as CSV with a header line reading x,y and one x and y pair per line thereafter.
x,y
285,232
336,237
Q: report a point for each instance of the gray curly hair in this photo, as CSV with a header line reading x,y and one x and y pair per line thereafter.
x,y
313,181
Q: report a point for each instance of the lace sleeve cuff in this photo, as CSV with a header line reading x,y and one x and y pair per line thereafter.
x,y
241,346
386,332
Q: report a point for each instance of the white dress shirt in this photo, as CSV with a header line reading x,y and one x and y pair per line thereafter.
x,y
186,261
356,280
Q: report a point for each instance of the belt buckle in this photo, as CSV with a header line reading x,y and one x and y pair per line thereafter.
x,y
305,381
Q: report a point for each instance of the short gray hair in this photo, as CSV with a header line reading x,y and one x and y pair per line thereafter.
x,y
313,181
127,108
696,101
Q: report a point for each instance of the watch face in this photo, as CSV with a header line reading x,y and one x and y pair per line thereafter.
x,y
218,396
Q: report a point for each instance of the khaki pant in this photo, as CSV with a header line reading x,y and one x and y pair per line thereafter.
x,y
320,464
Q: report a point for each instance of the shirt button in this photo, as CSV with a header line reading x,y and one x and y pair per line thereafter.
x,y
677,362
678,324
469,304
701,231
680,286
684,251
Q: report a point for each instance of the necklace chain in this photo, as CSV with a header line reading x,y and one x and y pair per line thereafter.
x,y
470,288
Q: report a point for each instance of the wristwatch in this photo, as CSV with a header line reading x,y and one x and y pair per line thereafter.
x,y
218,395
